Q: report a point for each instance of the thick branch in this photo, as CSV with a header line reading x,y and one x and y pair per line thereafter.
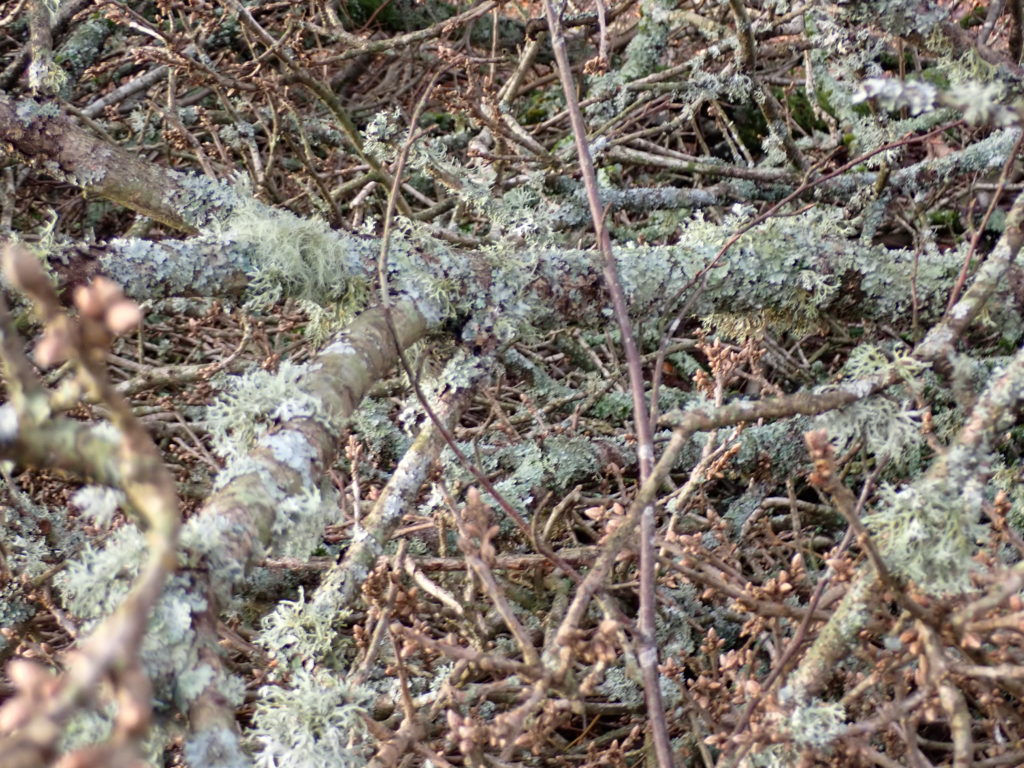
x,y
54,143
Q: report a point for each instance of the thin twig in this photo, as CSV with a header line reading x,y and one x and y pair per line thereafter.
x,y
641,418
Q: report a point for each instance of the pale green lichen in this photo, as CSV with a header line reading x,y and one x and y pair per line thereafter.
x,y
249,405
298,257
929,532
99,504
316,722
814,725
889,426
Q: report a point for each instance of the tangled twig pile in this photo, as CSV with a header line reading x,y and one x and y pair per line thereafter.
x,y
512,384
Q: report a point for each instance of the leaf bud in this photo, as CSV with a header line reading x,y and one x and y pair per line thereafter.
x,y
52,348
107,292
88,302
123,316
24,271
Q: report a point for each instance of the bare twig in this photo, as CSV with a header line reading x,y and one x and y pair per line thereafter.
x,y
641,414
33,717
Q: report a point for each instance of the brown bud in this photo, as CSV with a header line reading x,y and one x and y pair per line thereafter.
x,y
24,271
107,291
15,713
133,718
52,348
134,694
124,315
608,627
27,675
908,636
88,302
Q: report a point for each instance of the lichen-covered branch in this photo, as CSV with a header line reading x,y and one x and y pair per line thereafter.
x,y
925,533
45,137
